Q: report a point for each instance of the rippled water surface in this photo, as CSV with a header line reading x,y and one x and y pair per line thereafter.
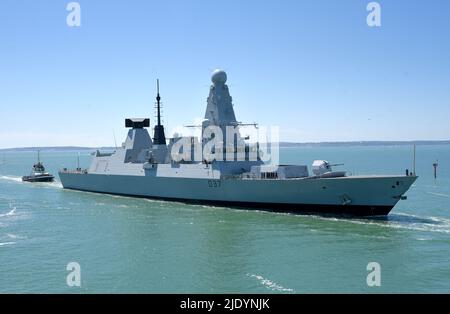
x,y
138,245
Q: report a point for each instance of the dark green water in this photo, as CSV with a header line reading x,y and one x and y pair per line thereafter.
x,y
137,245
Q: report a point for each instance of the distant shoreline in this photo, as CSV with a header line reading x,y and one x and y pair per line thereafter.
x,y
282,144
365,143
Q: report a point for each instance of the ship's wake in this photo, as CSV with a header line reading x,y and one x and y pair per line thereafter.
x,y
9,214
11,178
439,194
10,239
7,243
12,214
54,184
403,221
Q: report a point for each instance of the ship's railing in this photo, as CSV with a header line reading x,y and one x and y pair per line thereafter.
x,y
245,176
231,176
251,176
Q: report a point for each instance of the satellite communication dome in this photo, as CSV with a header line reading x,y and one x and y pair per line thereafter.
x,y
219,77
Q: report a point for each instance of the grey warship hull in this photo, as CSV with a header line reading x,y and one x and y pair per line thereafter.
x,y
355,196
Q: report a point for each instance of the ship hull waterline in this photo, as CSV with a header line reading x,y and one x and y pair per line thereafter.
x,y
350,196
36,179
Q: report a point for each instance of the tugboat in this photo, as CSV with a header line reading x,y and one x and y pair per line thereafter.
x,y
38,173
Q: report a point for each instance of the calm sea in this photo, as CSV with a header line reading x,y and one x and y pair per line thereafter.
x,y
136,245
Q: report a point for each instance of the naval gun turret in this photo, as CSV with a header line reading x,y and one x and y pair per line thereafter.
x,y
322,168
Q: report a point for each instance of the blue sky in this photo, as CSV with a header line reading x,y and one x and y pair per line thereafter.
x,y
313,68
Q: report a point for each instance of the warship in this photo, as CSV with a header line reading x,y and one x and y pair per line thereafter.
x,y
229,171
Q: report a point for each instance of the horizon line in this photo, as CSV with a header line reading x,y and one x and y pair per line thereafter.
x,y
379,142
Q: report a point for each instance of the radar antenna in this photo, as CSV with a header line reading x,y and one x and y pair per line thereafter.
x,y
159,137
158,102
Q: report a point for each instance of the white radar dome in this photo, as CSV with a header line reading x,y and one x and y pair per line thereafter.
x,y
219,77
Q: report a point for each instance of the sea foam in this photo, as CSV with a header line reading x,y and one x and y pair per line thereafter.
x,y
270,284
